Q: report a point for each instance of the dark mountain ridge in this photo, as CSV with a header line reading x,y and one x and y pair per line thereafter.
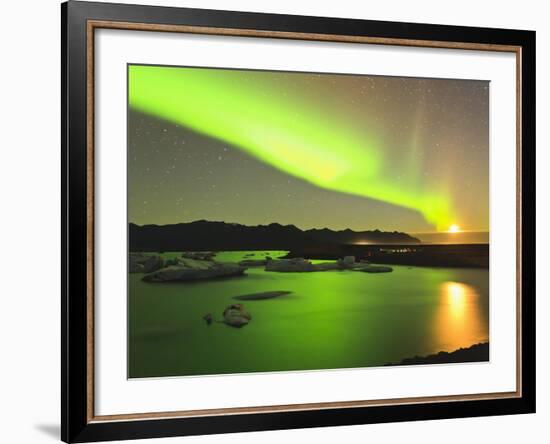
x,y
219,236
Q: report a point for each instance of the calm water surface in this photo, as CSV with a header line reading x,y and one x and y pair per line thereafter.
x,y
333,319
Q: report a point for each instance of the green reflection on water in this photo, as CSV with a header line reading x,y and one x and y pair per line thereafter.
x,y
335,319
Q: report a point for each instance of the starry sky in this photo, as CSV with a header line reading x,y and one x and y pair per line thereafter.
x,y
313,150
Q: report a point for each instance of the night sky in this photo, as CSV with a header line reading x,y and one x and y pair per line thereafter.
x,y
336,151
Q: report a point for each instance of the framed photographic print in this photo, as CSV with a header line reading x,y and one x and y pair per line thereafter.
x,y
275,221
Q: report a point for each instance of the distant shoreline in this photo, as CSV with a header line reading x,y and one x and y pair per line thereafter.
x,y
426,255
461,237
417,255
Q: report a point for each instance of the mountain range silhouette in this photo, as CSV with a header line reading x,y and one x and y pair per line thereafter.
x,y
220,236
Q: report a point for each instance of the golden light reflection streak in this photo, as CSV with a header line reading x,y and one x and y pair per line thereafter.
x,y
456,297
458,321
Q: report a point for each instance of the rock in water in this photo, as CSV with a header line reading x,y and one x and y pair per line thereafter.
x,y
193,270
328,266
236,316
349,260
286,265
375,269
253,262
196,264
304,265
143,263
200,255
260,296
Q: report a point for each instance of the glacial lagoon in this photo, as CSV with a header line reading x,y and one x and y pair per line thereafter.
x,y
330,319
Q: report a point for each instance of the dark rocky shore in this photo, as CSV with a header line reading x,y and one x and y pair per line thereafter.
x,y
475,353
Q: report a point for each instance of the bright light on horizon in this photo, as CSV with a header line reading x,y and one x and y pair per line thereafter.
x,y
454,229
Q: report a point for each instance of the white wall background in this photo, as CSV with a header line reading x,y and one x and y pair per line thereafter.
x,y
30,208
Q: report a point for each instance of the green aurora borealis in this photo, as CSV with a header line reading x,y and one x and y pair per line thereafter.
x,y
404,153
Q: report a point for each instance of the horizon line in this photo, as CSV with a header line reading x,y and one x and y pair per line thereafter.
x,y
314,228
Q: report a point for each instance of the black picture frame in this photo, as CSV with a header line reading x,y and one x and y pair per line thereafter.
x,y
76,423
